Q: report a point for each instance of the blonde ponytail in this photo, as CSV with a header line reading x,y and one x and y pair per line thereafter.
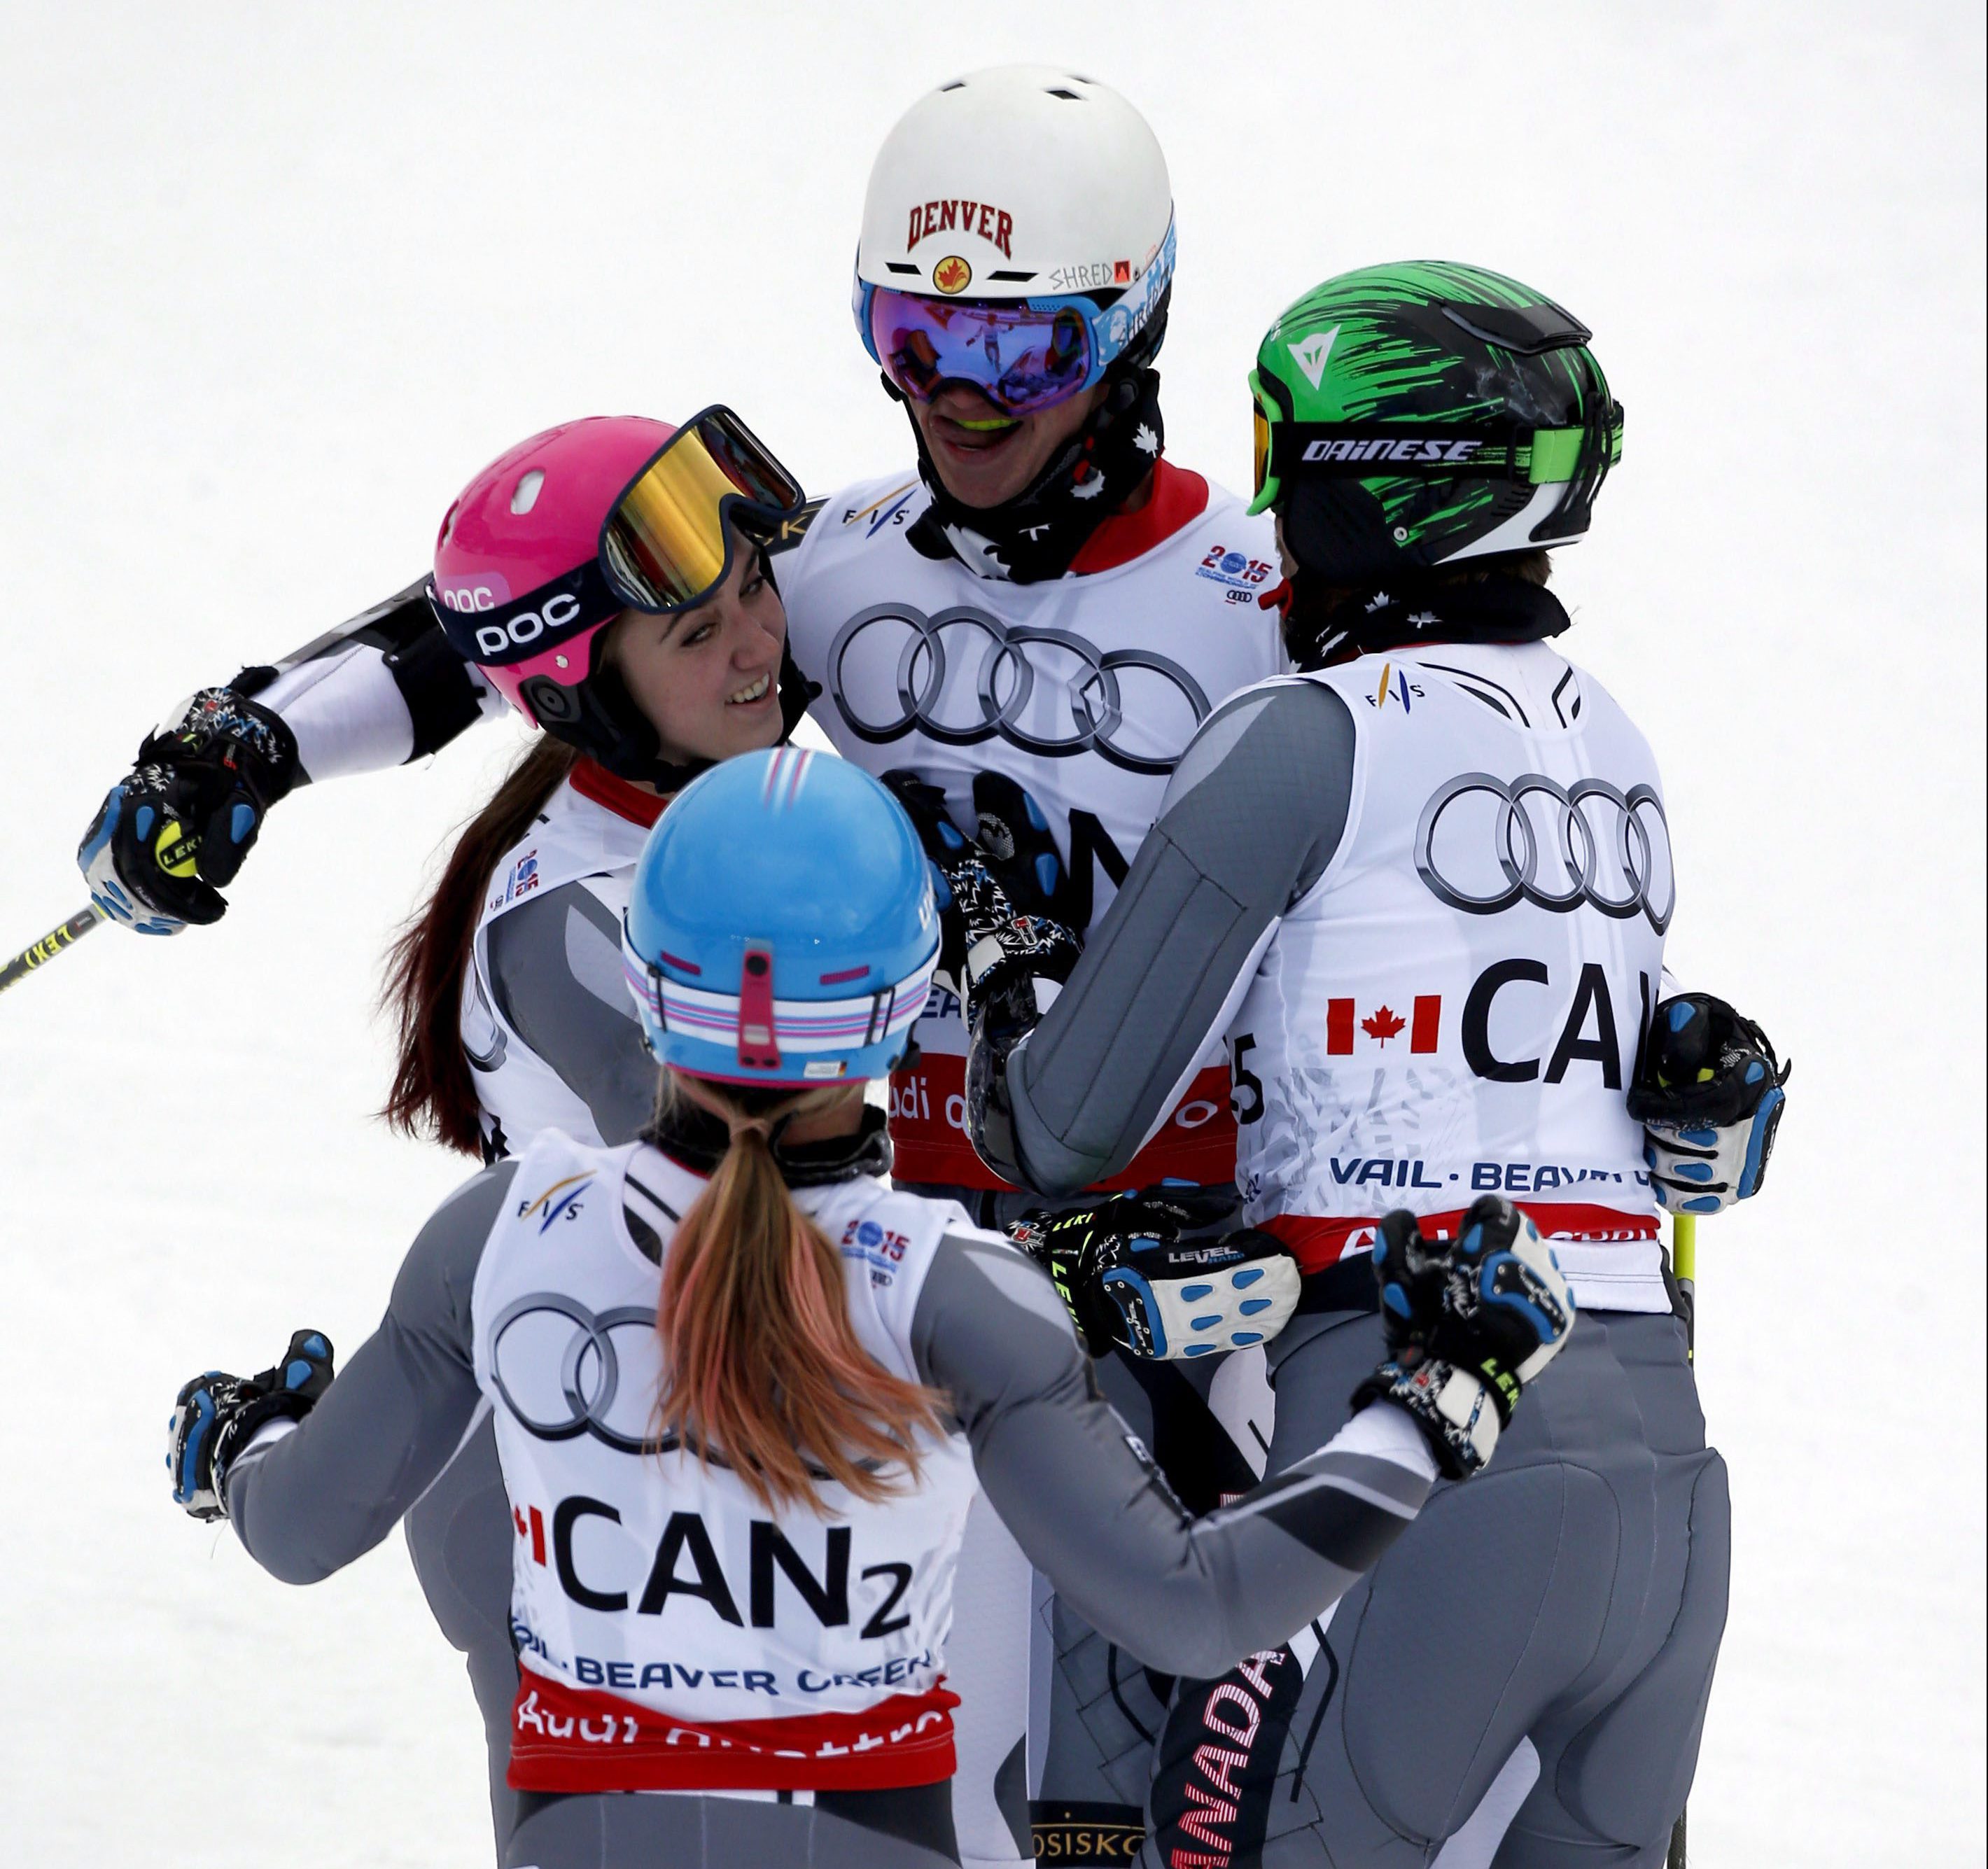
x,y
762,1367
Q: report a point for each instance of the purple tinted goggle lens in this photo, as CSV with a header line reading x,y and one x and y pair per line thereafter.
x,y
1022,357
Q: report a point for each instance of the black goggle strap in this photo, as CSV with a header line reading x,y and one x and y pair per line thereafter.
x,y
723,432
1372,451
530,625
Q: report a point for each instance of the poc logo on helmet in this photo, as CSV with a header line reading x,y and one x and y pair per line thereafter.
x,y
557,613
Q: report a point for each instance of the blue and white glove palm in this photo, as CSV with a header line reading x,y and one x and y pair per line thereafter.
x,y
1468,1324
1153,1273
137,832
216,1415
1710,1095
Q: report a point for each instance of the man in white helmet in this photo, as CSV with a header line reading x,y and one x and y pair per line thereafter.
x,y
1029,629
1049,605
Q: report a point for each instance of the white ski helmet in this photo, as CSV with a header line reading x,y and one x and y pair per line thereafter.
x,y
1022,182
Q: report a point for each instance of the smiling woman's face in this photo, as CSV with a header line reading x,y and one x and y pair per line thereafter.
x,y
708,679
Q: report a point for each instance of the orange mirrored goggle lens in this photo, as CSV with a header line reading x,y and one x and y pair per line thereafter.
x,y
667,543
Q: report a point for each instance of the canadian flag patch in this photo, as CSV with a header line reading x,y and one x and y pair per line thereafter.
x,y
1383,1025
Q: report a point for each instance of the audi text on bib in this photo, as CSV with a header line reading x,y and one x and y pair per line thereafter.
x,y
1455,1007
1085,690
673,1634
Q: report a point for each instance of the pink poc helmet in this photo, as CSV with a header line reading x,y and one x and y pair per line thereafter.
x,y
555,538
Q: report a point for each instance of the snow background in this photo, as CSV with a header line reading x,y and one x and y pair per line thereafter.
x,y
274,281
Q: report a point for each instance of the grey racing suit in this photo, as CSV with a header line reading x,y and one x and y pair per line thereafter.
x,y
544,960
1397,1714
1085,1503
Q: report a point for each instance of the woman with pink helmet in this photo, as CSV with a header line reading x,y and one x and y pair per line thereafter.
x,y
562,536
609,579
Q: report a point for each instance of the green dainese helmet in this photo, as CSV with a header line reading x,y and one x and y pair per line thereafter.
x,y
1410,416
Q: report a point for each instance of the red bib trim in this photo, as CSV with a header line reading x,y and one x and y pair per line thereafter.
x,y
1197,1142
1320,1242
566,1739
1179,497
592,779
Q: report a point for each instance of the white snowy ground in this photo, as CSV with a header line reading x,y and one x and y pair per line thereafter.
x,y
274,281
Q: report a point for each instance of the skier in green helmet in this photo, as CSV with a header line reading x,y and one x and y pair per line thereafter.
x,y
1423,887
1415,422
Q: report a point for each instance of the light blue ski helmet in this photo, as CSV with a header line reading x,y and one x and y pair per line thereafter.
x,y
780,927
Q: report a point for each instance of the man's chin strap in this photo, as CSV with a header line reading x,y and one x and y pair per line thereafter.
x,y
1037,535
1327,624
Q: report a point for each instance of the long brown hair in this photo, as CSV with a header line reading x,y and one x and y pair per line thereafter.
x,y
761,1363
433,1094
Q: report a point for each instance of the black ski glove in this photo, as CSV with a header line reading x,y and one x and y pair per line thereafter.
x,y
1469,1323
217,1414
1709,1094
997,893
171,834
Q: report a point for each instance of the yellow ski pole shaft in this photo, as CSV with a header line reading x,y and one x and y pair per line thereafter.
x,y
1684,1268
39,953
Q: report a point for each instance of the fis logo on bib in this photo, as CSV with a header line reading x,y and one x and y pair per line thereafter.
x,y
1236,571
559,1201
891,508
1394,686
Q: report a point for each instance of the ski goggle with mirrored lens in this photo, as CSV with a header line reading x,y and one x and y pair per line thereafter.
x,y
1024,355
666,542
1285,449
666,545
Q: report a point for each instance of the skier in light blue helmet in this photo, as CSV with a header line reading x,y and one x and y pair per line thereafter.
x,y
796,949
743,1392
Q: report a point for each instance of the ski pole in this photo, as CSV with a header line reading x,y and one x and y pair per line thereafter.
x,y
51,944
1684,1268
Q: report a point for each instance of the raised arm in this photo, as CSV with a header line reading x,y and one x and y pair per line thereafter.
x,y
380,689
306,1499
1190,1596
1254,814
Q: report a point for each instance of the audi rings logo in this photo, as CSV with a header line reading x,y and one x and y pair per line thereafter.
x,y
559,1368
563,1372
1483,846
962,677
